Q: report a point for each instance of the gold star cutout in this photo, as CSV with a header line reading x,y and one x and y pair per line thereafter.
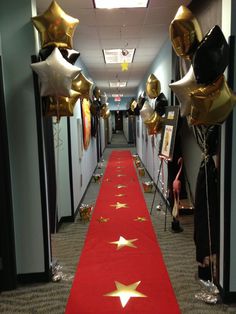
x,y
119,195
102,219
124,66
120,186
121,175
124,242
119,167
108,180
126,292
119,205
140,219
55,27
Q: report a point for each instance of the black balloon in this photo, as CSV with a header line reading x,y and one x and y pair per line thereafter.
x,y
94,125
69,54
95,107
160,104
211,57
141,100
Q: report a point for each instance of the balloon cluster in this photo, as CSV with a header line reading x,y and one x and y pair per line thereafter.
x,y
151,119
203,92
62,83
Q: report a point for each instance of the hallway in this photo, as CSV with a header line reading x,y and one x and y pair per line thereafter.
x,y
178,252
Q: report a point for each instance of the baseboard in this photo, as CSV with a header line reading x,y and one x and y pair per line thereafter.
x,y
66,219
227,297
34,277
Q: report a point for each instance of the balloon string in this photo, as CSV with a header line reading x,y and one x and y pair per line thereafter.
x,y
208,208
57,146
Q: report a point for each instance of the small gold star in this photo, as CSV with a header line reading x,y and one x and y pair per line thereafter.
x,y
119,167
124,66
140,219
121,175
119,205
120,186
122,242
108,180
126,292
119,195
102,219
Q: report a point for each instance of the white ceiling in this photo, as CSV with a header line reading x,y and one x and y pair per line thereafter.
x,y
145,29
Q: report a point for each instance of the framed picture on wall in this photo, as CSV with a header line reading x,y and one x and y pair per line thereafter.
x,y
167,142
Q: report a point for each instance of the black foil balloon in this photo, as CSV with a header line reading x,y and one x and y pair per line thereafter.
x,y
211,57
95,107
94,125
160,104
70,55
141,100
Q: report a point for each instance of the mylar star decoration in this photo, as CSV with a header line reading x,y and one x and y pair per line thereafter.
x,y
122,242
55,27
125,292
140,219
82,85
56,75
119,205
103,220
124,66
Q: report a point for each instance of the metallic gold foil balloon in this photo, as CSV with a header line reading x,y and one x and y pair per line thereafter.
x,y
211,104
154,124
182,90
96,92
133,105
146,112
211,57
55,27
55,74
60,106
105,111
82,85
153,86
185,33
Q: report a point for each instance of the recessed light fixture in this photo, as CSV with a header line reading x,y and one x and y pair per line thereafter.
x,y
117,84
114,4
116,55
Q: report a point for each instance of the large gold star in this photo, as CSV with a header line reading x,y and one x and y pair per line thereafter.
x,y
119,205
124,66
102,219
55,27
122,242
120,186
119,195
140,219
125,292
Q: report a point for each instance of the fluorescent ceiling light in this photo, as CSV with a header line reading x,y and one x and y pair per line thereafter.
x,y
117,84
116,56
115,4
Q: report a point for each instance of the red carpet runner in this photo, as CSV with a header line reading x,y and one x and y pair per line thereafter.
x,y
121,268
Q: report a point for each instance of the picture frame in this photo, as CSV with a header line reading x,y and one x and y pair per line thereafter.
x,y
167,142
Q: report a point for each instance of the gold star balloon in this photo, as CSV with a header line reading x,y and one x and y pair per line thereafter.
x,y
125,292
61,106
185,33
119,205
212,104
82,85
122,242
153,86
55,27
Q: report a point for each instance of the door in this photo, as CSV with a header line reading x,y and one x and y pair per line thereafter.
x,y
118,120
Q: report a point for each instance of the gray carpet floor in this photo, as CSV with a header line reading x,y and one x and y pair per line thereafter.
x,y
177,248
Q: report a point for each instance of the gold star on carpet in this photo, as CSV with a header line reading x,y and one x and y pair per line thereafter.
x,y
124,242
119,167
102,219
119,195
119,205
126,292
121,175
124,66
140,219
108,180
120,186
